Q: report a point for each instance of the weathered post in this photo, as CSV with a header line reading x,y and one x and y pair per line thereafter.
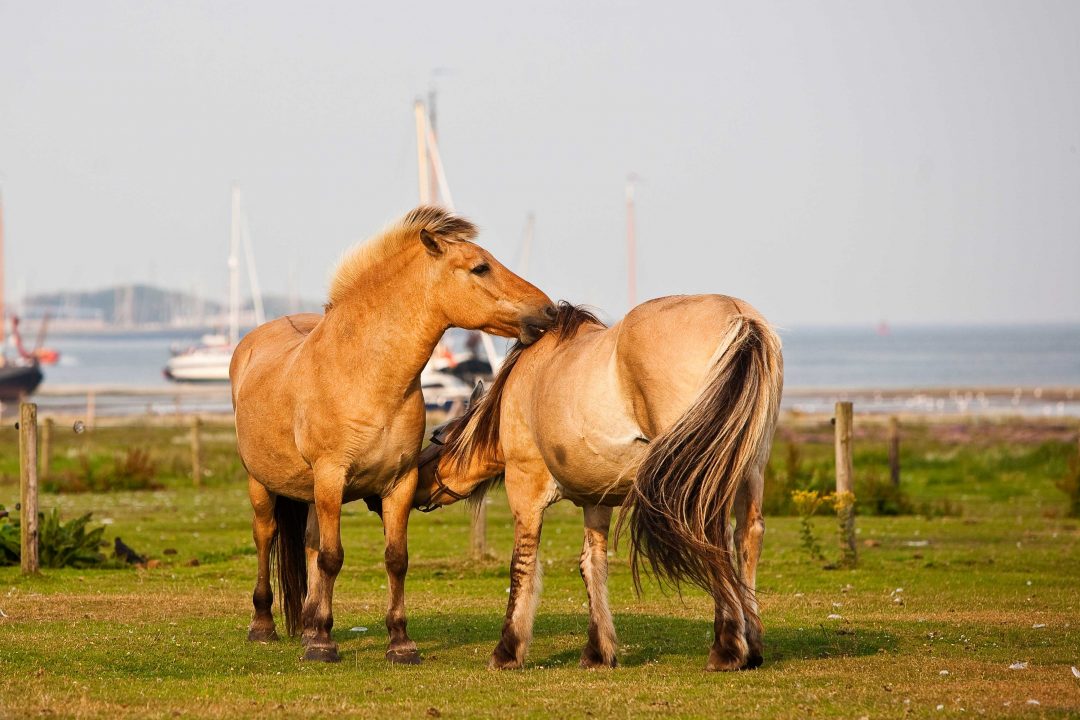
x,y
196,450
91,409
894,451
845,497
28,488
478,533
46,448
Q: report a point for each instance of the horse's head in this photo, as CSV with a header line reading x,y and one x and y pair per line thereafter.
x,y
477,292
443,481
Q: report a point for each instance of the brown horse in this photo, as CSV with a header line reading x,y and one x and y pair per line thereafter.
x,y
669,413
329,409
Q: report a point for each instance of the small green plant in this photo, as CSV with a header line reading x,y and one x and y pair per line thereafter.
x,y
807,503
1070,485
134,469
71,544
844,505
881,497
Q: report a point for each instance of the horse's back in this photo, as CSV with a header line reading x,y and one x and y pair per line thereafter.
x,y
268,345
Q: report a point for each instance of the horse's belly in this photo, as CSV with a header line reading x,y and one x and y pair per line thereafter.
x,y
599,471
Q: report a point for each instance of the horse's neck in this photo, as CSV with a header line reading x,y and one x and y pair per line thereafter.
x,y
382,330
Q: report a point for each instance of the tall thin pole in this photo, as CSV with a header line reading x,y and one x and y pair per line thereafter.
x,y
845,499
631,243
421,152
253,275
436,185
28,488
442,193
3,323
234,270
526,245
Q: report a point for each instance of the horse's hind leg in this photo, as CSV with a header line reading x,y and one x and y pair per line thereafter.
x,y
729,649
395,516
748,538
314,593
600,650
263,528
318,616
528,502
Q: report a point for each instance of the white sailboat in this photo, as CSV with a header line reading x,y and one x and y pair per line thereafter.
x,y
209,361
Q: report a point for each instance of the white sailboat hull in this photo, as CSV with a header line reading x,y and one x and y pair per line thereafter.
x,y
200,365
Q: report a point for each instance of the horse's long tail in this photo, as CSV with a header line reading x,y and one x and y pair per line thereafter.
x,y
287,553
682,497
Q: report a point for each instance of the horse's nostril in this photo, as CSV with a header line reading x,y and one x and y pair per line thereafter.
x,y
551,312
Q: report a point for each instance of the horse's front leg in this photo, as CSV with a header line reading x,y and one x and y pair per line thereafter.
x,y
318,616
263,527
528,503
600,649
395,516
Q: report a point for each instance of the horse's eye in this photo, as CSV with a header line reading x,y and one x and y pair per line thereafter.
x,y
481,269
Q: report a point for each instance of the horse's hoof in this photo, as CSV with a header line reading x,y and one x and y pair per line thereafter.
x,y
500,664
724,662
403,657
263,635
753,662
591,660
322,653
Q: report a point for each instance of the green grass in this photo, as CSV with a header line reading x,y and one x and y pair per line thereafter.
x,y
169,641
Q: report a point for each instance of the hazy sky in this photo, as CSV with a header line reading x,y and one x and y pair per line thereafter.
x,y
833,162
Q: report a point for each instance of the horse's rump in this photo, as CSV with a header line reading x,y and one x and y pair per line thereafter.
x,y
680,503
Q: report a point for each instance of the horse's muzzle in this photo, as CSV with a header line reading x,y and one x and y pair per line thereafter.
x,y
533,327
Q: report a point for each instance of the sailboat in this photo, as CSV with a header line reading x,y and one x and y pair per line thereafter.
x,y
21,375
209,361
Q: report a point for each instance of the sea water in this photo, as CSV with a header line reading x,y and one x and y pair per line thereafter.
x,y
820,364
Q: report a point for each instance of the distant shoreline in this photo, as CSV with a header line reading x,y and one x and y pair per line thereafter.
x,y
168,402
1046,393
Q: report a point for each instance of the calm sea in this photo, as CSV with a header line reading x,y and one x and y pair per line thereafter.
x,y
815,359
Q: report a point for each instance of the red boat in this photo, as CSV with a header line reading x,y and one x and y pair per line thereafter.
x,y
21,376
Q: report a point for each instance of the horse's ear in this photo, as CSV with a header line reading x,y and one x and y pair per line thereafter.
x,y
433,244
477,393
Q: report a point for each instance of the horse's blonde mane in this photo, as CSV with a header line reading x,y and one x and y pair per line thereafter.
x,y
362,257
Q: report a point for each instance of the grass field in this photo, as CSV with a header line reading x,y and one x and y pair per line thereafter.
x,y
930,621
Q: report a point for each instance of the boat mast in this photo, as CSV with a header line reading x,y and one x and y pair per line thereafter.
x,y
421,152
526,245
631,243
3,318
253,275
437,183
234,269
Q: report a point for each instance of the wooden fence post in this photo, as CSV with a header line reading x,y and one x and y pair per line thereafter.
x,y
28,488
845,497
478,532
196,451
894,451
46,447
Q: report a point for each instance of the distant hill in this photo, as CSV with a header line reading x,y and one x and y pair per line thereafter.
x,y
148,305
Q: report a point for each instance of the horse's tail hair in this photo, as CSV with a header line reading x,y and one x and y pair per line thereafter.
x,y
287,553
680,505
